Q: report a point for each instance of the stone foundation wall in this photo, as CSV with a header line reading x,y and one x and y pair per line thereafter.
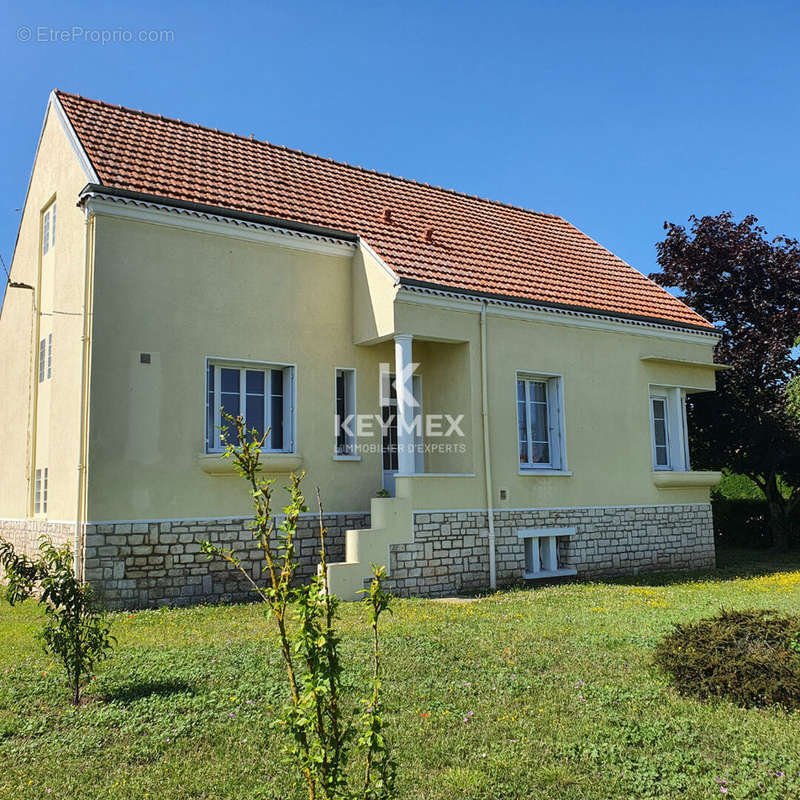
x,y
450,551
134,565
24,534
145,564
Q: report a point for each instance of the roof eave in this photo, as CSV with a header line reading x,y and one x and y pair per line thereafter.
x,y
221,211
522,301
349,236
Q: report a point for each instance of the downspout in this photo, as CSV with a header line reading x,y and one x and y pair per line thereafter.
x,y
487,460
78,560
37,324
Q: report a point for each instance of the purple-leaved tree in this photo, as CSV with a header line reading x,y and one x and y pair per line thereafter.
x,y
749,286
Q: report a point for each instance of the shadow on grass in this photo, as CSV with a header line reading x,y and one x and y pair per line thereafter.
x,y
732,564
130,692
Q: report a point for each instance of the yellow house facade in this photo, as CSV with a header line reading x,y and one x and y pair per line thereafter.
x,y
464,438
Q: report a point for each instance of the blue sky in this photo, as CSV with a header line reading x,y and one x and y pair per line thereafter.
x,y
615,115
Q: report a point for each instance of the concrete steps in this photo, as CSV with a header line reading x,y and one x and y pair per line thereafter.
x,y
391,519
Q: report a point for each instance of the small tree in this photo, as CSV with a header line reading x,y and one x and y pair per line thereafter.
x,y
320,728
76,631
749,287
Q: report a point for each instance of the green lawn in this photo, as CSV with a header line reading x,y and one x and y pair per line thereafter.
x,y
525,694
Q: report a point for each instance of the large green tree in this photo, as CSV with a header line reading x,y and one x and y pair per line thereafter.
x,y
748,285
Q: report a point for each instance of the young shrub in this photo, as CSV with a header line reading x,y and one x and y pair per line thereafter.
x,y
320,729
75,631
747,657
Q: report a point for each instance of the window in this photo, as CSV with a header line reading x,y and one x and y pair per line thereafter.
x,y
668,429
49,229
540,546
345,412
263,395
40,492
660,432
389,443
540,422
46,358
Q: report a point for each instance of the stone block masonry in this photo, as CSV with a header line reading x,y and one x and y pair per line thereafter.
x,y
146,564
450,550
24,534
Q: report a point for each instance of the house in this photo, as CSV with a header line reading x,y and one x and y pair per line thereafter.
x,y
483,393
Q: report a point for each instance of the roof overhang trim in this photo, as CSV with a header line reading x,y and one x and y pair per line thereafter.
x,y
92,193
567,311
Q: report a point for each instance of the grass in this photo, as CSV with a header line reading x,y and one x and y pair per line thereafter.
x,y
548,693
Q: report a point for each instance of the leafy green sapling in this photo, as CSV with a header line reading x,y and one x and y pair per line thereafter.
x,y
76,630
320,729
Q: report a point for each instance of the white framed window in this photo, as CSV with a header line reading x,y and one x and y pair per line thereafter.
x,y
660,431
540,422
345,412
262,393
49,229
42,358
46,358
668,428
40,492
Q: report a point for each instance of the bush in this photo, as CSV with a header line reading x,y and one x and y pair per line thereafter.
x,y
741,514
741,522
747,657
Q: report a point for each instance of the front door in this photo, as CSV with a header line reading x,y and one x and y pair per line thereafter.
x,y
389,433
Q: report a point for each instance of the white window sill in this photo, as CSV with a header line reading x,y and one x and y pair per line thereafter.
x,y
214,464
545,472
549,573
337,457
682,479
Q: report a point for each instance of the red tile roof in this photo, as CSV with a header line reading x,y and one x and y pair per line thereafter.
x,y
424,233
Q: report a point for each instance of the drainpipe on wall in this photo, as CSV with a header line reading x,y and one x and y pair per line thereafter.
x,y
487,460
80,510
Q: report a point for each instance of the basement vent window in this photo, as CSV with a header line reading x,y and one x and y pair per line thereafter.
x,y
541,552
144,358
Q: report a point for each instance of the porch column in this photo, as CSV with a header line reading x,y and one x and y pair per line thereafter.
x,y
405,403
